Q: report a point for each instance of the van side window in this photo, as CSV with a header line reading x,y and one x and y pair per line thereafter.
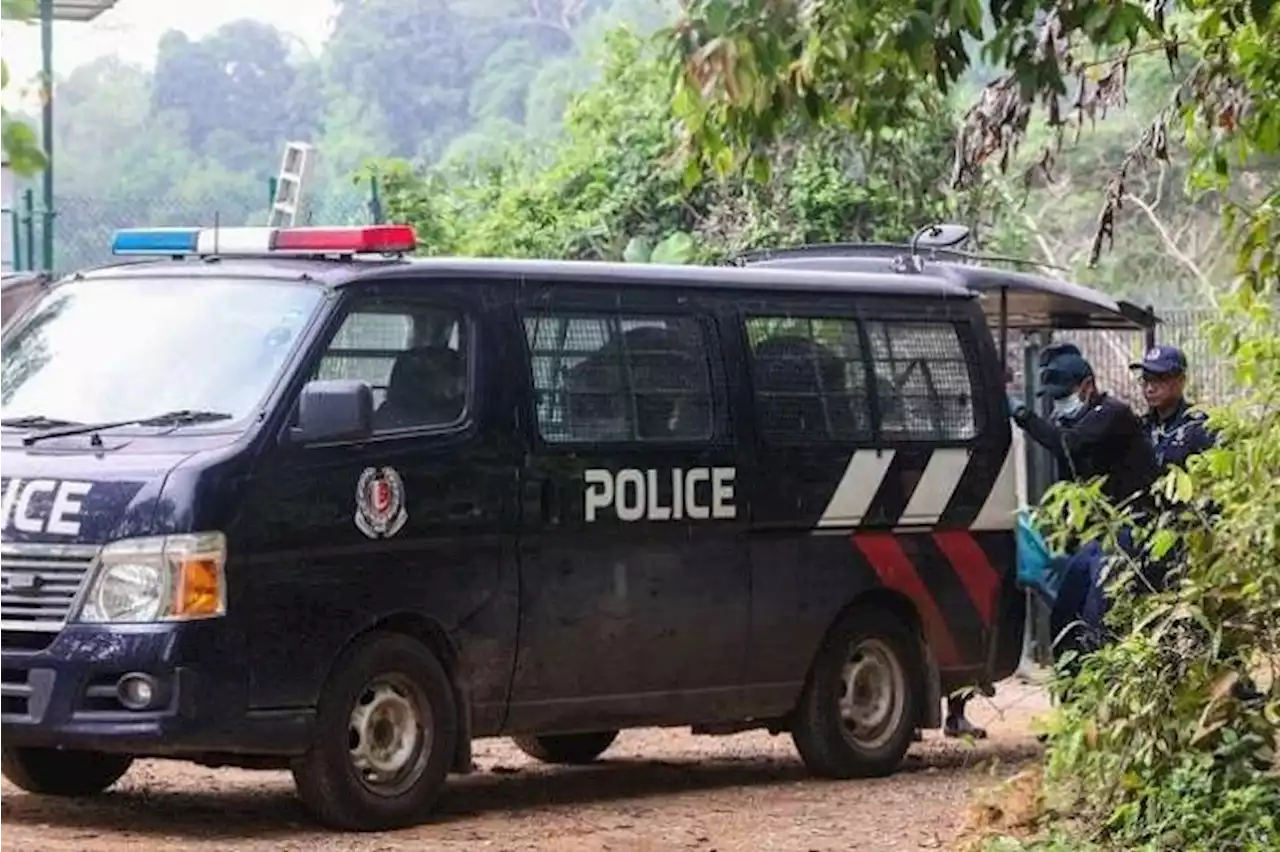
x,y
923,381
413,355
809,378
611,377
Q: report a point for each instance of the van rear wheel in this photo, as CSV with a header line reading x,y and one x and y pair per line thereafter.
x,y
858,712
566,748
386,732
55,772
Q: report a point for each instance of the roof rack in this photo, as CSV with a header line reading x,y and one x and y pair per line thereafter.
x,y
939,242
885,250
1024,296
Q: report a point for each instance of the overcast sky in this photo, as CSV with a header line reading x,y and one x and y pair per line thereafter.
x,y
133,28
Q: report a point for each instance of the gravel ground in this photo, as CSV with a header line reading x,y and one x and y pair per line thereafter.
x,y
653,790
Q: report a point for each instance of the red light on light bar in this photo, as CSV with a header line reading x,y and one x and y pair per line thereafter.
x,y
370,239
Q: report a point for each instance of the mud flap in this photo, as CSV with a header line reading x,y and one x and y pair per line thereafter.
x,y
931,705
463,761
1007,637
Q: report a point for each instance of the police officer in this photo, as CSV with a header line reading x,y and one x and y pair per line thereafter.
x,y
1090,434
1176,430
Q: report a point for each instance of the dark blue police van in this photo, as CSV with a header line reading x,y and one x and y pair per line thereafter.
x,y
283,498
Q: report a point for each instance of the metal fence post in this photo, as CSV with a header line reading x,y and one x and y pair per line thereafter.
x,y
375,201
29,223
15,238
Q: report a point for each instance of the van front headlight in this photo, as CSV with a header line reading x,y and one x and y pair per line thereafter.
x,y
161,578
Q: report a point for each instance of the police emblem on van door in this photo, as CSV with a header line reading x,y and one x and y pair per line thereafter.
x,y
380,511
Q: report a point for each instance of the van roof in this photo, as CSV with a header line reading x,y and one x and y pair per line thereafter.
x,y
338,273
1032,301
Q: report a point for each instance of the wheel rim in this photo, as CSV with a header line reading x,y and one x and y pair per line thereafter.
x,y
872,694
389,735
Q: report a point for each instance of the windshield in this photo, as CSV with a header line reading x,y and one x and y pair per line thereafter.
x,y
101,351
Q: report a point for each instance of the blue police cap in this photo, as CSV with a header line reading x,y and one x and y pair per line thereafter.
x,y
1162,360
1062,369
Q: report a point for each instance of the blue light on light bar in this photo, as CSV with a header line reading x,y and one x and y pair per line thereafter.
x,y
155,241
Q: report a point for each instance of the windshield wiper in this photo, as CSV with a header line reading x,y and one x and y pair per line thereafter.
x,y
36,421
181,417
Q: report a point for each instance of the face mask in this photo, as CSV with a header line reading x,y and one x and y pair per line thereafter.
x,y
1069,406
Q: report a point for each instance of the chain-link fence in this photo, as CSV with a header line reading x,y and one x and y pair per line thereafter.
x,y
1209,375
85,224
1110,353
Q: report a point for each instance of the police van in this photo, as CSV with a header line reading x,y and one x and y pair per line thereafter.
x,y
284,498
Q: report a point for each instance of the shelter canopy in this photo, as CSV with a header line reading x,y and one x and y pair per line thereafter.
x,y
80,10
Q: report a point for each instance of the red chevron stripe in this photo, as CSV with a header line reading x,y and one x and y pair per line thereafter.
x,y
970,562
896,572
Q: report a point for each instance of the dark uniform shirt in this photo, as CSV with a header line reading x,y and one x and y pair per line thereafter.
x,y
1179,436
1106,439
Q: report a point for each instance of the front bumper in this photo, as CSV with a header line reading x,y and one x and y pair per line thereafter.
x,y
64,695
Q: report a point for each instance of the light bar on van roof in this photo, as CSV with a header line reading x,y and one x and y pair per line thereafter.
x,y
366,239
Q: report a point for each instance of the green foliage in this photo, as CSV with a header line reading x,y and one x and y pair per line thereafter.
x,y
1169,737
22,149
439,82
613,186
746,70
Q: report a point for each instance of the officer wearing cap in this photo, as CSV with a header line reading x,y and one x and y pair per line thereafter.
x,y
1176,431
1090,433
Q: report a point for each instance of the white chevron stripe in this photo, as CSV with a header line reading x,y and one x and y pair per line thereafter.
x,y
998,511
857,488
938,482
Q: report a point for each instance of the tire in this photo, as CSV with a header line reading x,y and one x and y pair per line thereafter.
x,y
53,772
881,657
566,748
386,732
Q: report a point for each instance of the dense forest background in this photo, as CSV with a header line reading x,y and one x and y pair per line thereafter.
x,y
544,127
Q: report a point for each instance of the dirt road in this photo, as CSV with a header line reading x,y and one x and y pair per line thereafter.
x,y
654,790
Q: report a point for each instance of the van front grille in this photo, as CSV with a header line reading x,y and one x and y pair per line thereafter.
x,y
39,583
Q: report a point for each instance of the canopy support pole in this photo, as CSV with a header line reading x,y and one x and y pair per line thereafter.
x,y
46,129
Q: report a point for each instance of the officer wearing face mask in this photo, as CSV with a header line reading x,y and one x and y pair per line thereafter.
x,y
1090,433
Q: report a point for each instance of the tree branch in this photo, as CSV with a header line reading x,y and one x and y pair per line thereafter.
x,y
1171,245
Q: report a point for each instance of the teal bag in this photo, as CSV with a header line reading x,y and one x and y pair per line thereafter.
x,y
1038,569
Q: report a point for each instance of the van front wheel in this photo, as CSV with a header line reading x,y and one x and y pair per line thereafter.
x,y
858,712
386,732
566,748
55,772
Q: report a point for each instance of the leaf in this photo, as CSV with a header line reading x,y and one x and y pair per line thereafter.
x,y
723,161
677,248
692,174
638,250
1162,542
21,147
760,168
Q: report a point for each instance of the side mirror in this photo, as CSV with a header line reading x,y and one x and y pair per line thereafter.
x,y
334,410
